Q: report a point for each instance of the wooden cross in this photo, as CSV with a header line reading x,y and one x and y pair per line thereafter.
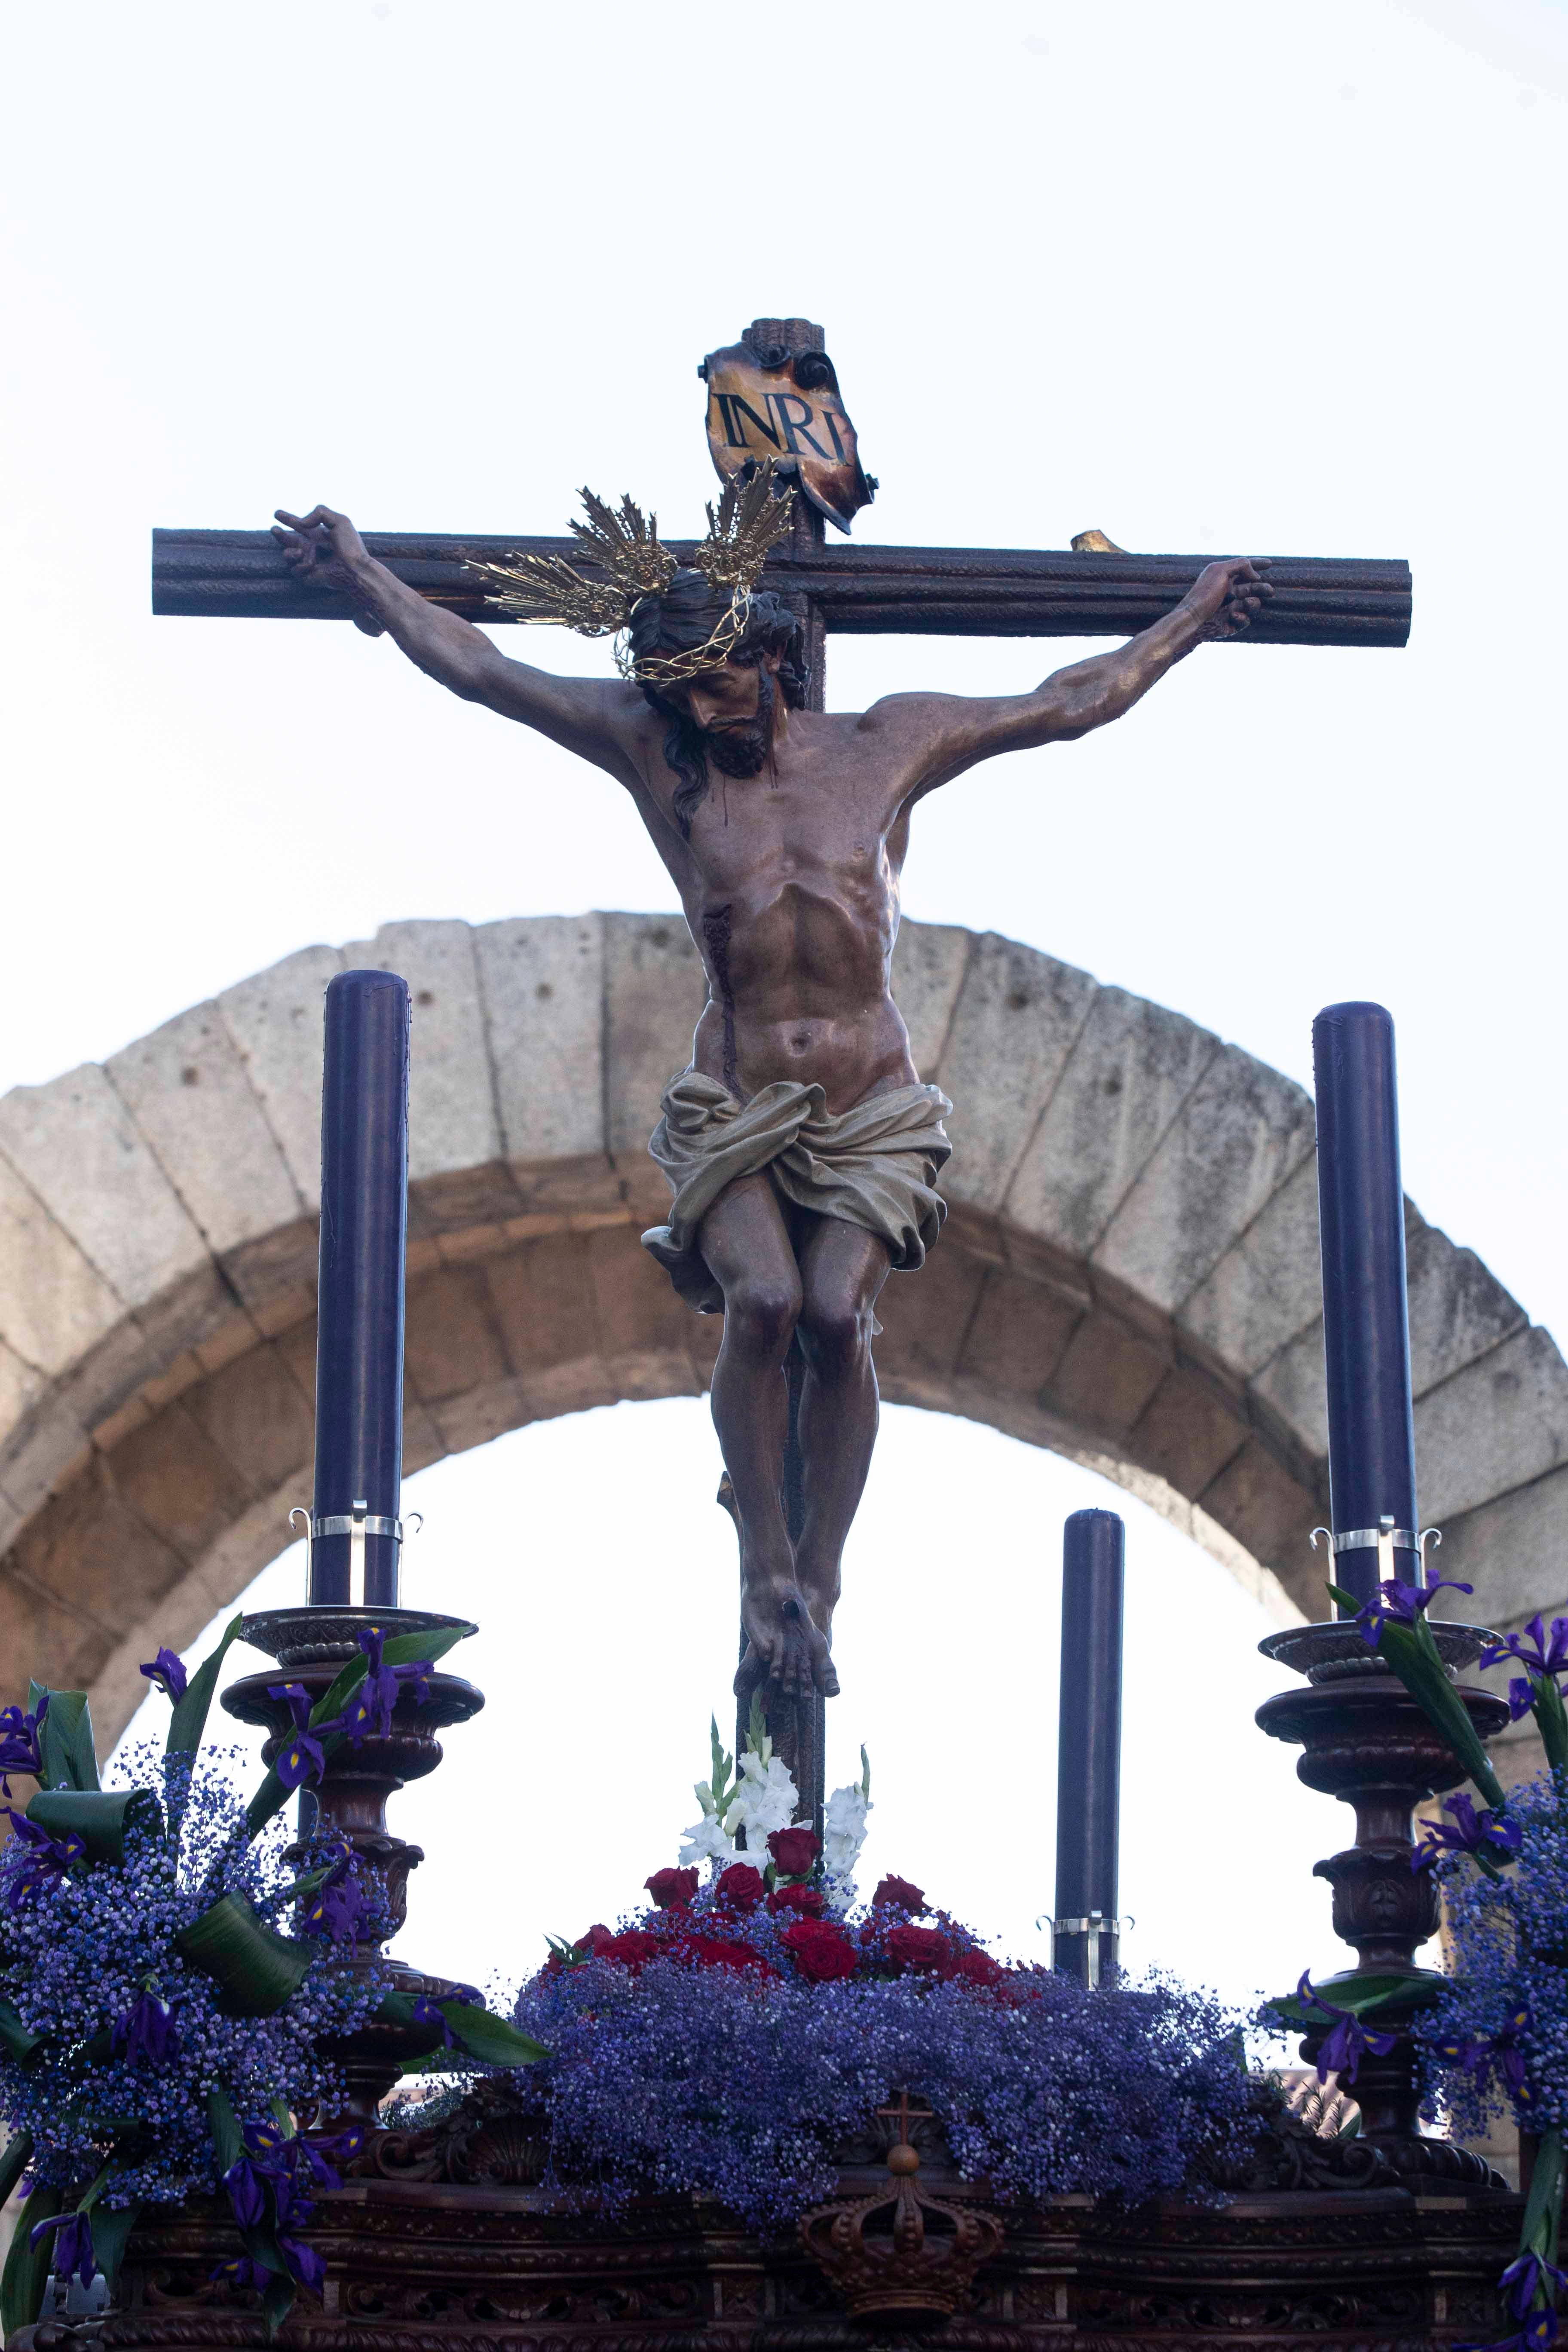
x,y
853,589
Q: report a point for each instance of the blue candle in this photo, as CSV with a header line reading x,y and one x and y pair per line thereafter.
x,y
359,1303
1366,1320
1088,1742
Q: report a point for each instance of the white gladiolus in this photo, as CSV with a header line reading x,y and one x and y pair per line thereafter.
x,y
843,1835
766,1799
705,1841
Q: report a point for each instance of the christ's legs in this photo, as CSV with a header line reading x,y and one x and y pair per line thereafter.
x,y
842,1269
747,1249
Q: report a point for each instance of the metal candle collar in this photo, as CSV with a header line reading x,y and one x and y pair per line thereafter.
x,y
1094,1926
1384,1539
357,1522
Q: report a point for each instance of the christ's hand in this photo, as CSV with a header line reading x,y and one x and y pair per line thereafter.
x,y
324,547
1225,596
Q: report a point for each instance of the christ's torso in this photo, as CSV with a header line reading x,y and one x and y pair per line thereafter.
x,y
790,883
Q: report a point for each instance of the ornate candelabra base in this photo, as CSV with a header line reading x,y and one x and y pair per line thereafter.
x,y
312,1645
1367,1742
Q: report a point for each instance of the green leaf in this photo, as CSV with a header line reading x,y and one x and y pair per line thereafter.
x,y
188,1716
255,1970
112,2226
1551,1719
277,2302
414,1649
1545,2200
491,2039
1385,1996
27,2267
65,1741
229,2141
99,1817
14,2038
14,2162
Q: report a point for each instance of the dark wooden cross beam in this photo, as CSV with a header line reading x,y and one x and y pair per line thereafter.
x,y
858,591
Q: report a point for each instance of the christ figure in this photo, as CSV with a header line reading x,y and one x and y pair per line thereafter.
x,y
800,1145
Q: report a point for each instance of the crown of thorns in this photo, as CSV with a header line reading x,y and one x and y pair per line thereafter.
x,y
750,520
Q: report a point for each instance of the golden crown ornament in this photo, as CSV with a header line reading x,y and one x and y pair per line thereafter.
x,y
751,517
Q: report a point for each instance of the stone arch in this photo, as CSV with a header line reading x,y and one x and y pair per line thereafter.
x,y
1129,1273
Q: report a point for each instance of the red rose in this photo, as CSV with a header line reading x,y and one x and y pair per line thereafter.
x,y
974,1967
809,1901
793,1852
899,1891
918,1947
596,1935
633,1950
672,1888
721,1952
739,1885
819,1950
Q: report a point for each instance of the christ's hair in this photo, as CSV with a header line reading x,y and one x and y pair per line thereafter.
x,y
678,620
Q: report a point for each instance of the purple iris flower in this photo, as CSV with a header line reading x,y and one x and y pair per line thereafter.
x,y
1504,2051
45,1861
244,2274
247,2184
1470,1832
372,1704
324,2151
304,2262
302,1758
1542,1654
146,2030
167,1673
1530,2276
426,2013
1346,2040
73,2247
20,1742
340,1907
1395,1603
1537,2335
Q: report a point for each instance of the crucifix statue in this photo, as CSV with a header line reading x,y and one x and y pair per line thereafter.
x,y
802,1148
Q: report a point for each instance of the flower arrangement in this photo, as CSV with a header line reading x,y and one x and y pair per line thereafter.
x,y
725,2038
160,2023
1495,2034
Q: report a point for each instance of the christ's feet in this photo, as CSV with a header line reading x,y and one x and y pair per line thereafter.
x,y
784,1648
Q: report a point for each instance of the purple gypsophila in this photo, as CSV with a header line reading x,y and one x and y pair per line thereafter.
x,y
1347,2039
20,1742
302,1757
77,1963
43,1862
1396,1604
1471,1832
167,1670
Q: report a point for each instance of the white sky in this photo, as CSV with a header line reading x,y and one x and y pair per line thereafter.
x,y
1277,280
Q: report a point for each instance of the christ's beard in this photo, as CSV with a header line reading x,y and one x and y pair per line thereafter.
x,y
743,750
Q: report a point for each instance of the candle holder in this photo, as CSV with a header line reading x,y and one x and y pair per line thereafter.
x,y
312,1645
1367,1742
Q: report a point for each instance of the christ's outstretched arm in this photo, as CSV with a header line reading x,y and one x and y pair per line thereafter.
x,y
952,732
592,717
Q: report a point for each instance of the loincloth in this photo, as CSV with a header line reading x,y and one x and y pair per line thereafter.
x,y
873,1165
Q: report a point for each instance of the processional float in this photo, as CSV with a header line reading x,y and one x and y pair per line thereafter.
x,y
456,2232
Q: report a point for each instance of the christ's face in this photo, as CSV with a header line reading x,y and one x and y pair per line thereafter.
x,y
734,707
